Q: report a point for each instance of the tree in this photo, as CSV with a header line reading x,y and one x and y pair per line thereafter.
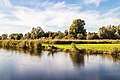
x,y
27,36
0,37
36,33
77,27
60,35
81,36
66,32
50,34
11,36
91,36
16,36
4,36
107,32
20,36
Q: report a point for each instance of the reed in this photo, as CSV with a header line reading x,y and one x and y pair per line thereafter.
x,y
21,44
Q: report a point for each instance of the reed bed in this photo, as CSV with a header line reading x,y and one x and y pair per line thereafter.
x,y
21,44
103,45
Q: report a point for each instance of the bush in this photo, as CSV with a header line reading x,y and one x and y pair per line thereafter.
x,y
81,36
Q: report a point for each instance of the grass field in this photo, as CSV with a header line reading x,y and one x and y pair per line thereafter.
x,y
103,47
37,43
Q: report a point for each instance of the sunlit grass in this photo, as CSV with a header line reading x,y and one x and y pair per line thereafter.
x,y
35,44
103,47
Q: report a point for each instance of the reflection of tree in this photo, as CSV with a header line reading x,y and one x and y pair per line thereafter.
x,y
31,52
116,58
50,53
77,58
35,52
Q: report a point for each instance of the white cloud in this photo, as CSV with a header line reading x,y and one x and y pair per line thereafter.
x,y
96,2
5,3
57,16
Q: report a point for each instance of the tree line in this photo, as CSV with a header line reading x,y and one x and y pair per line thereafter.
x,y
76,31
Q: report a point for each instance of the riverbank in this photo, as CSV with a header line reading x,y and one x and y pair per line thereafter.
x,y
82,48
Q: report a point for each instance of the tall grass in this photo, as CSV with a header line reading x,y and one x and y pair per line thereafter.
x,y
21,44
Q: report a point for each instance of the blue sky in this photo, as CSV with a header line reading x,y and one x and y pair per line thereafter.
x,y
19,16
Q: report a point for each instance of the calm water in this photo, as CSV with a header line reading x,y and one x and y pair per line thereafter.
x,y
23,65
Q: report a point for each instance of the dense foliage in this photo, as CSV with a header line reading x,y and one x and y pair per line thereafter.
x,y
76,31
109,32
77,28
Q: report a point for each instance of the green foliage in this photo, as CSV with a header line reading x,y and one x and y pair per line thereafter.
x,y
109,32
36,33
115,51
21,44
77,27
73,45
0,37
60,35
4,36
37,45
69,36
27,36
81,36
66,32
91,36
16,36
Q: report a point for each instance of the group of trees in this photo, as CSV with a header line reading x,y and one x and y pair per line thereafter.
x,y
109,32
76,31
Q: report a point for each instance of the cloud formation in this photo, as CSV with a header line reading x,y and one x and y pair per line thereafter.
x,y
53,16
96,2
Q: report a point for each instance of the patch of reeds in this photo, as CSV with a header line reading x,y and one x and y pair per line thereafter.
x,y
115,51
21,44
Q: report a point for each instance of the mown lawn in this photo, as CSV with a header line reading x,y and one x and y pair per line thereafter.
x,y
103,47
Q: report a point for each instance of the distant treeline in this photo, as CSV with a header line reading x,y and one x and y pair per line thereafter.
x,y
76,31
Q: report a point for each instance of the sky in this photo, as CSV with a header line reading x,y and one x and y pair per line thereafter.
x,y
20,16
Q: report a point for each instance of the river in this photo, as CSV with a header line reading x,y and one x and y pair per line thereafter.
x,y
28,65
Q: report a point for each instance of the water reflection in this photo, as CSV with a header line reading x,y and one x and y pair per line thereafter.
x,y
77,59
34,52
116,58
51,53
43,65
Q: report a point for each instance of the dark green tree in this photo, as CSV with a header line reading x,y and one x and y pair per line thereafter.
x,y
0,37
4,36
37,33
92,35
107,32
77,27
60,35
16,36
81,36
27,36
66,32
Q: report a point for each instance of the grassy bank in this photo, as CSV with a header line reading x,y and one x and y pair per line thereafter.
x,y
36,44
103,47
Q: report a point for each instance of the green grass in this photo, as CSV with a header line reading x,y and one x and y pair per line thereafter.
x,y
36,44
103,47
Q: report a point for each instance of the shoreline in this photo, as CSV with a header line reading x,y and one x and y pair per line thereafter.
x,y
78,48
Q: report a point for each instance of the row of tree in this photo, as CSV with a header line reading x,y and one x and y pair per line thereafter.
x,y
76,31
